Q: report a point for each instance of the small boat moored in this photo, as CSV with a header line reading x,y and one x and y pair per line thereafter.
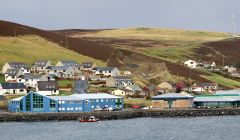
x,y
89,119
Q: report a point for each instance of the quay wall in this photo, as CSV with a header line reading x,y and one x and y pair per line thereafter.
x,y
18,117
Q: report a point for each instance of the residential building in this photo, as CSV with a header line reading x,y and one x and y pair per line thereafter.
x,y
11,75
150,90
30,80
135,89
15,65
35,102
172,100
209,64
191,64
204,87
61,71
119,81
81,86
12,88
88,66
47,88
70,63
165,87
106,71
122,92
40,66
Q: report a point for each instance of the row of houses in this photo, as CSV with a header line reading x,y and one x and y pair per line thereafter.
x,y
167,87
46,88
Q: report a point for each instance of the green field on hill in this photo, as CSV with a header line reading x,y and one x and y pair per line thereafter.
x,y
30,48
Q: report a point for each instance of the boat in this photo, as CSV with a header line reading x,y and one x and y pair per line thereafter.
x,y
89,119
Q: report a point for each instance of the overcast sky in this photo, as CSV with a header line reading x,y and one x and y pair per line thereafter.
x,y
214,15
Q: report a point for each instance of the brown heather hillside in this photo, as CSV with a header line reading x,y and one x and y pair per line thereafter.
x,y
115,55
81,46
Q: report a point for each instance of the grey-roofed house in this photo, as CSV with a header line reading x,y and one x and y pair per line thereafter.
x,y
106,71
61,71
81,86
47,87
70,63
88,66
15,65
11,75
119,81
30,80
12,88
135,89
172,100
40,66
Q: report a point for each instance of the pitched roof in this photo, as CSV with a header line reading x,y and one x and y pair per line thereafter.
x,y
206,84
30,76
70,63
172,96
47,85
58,67
105,68
87,64
95,96
12,72
40,63
13,86
134,87
18,65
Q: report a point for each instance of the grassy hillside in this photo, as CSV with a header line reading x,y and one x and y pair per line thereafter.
x,y
30,48
170,44
156,34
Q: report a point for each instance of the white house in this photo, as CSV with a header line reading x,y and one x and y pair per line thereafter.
x,y
31,80
122,92
119,81
47,88
61,71
15,65
204,87
191,64
40,66
106,71
70,63
11,75
12,88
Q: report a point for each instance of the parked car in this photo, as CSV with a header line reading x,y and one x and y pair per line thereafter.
x,y
136,107
98,109
107,109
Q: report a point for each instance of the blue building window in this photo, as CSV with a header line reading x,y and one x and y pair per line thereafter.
x,y
28,102
37,102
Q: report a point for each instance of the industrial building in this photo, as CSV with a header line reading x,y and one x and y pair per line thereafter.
x,y
34,102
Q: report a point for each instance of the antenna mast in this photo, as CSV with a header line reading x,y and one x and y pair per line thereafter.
x,y
233,25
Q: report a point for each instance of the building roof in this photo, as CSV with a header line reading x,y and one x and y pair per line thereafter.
x,y
18,65
228,92
70,63
30,76
95,96
17,99
87,64
134,87
80,86
58,67
47,85
216,99
40,63
12,72
205,84
105,68
13,86
172,96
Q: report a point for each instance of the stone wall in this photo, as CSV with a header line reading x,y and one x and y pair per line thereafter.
x,y
7,117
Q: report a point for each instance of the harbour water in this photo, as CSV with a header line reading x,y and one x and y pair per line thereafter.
x,y
204,128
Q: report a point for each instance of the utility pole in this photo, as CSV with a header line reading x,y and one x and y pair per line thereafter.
x,y
233,25
66,40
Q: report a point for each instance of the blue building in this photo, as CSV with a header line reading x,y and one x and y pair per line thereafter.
x,y
34,102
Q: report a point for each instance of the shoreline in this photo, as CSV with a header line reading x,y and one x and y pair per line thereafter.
x,y
32,117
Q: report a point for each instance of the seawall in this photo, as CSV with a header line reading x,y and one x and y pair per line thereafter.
x,y
18,117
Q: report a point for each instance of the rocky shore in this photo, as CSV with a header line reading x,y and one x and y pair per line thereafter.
x,y
18,117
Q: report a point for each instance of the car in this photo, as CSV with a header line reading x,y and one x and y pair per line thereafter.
x,y
136,107
98,109
145,108
107,109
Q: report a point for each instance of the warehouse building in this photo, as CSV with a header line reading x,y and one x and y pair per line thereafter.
x,y
34,102
172,100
